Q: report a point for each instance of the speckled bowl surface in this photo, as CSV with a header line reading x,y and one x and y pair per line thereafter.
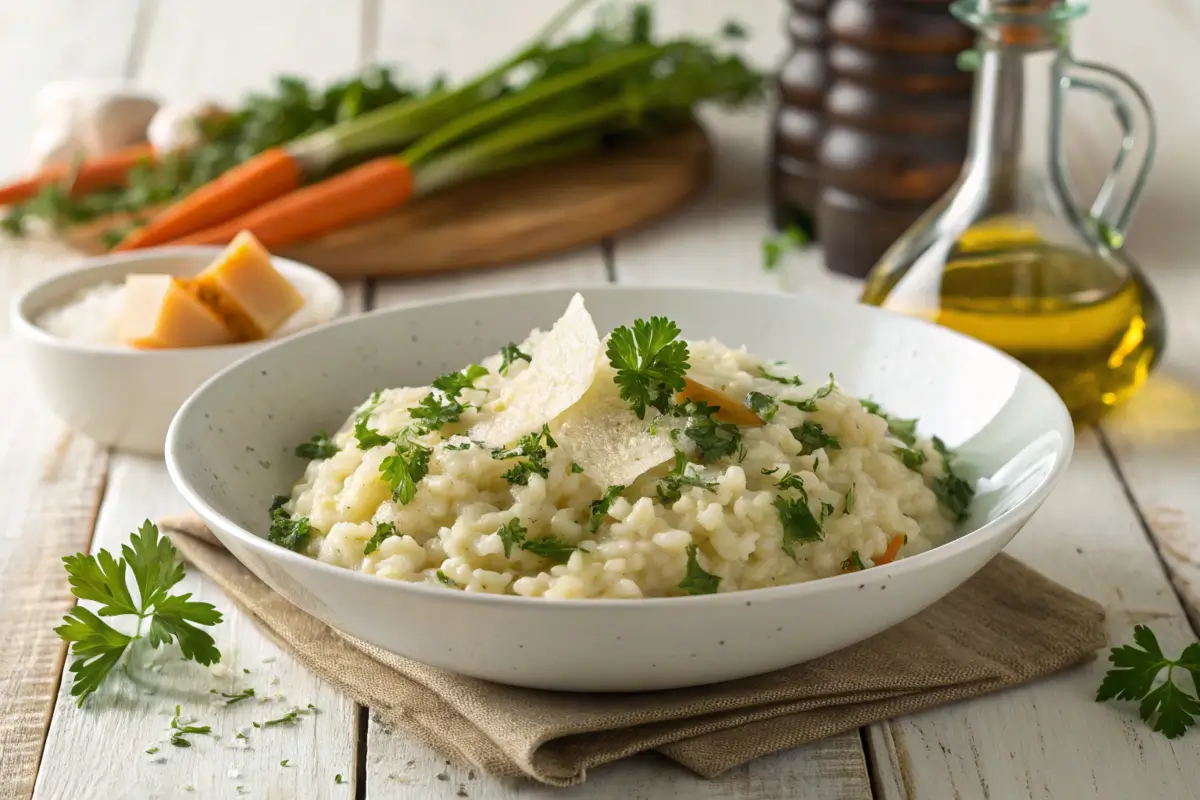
x,y
229,450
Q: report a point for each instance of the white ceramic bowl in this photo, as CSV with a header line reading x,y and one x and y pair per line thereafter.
x,y
229,452
125,397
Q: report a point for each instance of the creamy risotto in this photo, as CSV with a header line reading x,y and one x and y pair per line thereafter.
x,y
533,473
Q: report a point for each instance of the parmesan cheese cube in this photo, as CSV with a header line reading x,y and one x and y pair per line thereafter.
x,y
246,290
160,312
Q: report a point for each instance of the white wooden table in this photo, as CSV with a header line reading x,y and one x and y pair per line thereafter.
x,y
1118,529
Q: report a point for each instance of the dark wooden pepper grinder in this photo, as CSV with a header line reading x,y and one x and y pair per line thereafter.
x,y
872,121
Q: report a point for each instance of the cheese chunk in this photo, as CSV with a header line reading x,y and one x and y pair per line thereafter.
x,y
245,289
160,312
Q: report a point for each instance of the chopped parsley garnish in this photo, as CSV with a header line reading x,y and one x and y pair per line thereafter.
x,y
237,697
854,563
101,578
576,469
288,718
650,363
452,384
813,437
764,405
792,381
318,447
849,504
285,762
286,530
442,578
734,30
434,412
799,524
151,750
790,480
404,469
697,581
367,436
459,446
714,439
509,355
670,488
903,429
792,237
338,778
810,404
511,533
913,459
179,729
551,547
532,447
383,530
1168,708
599,508
954,493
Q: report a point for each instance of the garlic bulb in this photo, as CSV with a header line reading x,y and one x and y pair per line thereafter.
x,y
81,119
176,125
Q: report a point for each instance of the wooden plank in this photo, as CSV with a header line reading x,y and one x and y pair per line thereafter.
x,y
195,50
1050,739
132,713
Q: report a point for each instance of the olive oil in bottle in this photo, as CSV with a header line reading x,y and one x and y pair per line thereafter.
x,y
1007,256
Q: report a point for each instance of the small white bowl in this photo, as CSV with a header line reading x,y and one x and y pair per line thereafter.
x,y
124,397
231,450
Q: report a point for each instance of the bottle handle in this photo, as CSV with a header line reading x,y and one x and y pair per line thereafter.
x,y
1114,204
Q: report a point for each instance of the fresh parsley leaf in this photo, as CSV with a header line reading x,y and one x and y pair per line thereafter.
x,y
509,355
799,524
550,547
955,494
434,412
511,533
849,504
237,697
179,729
790,480
1169,709
286,530
903,429
532,447
367,436
791,238
913,459
697,581
459,446
404,469
383,530
812,437
576,469
670,488
452,384
650,363
810,404
101,578
854,563
318,447
763,372
151,750
599,508
764,405
714,439
443,578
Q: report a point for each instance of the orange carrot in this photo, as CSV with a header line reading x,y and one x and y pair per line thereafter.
x,y
893,550
730,410
365,191
253,183
93,174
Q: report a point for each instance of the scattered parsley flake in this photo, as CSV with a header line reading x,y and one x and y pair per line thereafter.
x,y
533,448
764,405
903,429
576,469
792,237
452,384
509,355
459,446
288,718
849,504
670,488
713,438
1169,708
434,412
338,778
443,578
287,531
599,508
367,436
697,580
319,447
790,480
799,524
383,530
550,547
913,459
650,363
810,404
511,533
854,563
284,763
101,578
240,735
151,750
812,437
734,30
764,373
237,697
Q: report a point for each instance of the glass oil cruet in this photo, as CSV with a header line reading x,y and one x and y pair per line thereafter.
x,y
1009,256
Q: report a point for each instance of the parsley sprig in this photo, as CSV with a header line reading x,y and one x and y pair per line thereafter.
x,y
512,534
533,448
286,530
650,361
101,578
800,525
318,447
405,468
509,355
1168,708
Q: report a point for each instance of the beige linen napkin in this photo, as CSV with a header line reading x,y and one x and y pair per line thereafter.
x,y
1005,626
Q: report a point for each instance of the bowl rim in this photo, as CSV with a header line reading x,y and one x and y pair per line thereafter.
x,y
1061,422
94,270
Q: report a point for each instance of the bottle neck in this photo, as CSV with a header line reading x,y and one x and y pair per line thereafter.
x,y
1014,122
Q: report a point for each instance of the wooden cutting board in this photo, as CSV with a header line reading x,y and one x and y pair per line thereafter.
x,y
509,217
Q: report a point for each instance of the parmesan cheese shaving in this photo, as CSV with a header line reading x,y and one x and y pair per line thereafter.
x,y
561,368
607,439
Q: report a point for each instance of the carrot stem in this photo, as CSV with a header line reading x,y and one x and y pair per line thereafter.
x,y
93,174
268,175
